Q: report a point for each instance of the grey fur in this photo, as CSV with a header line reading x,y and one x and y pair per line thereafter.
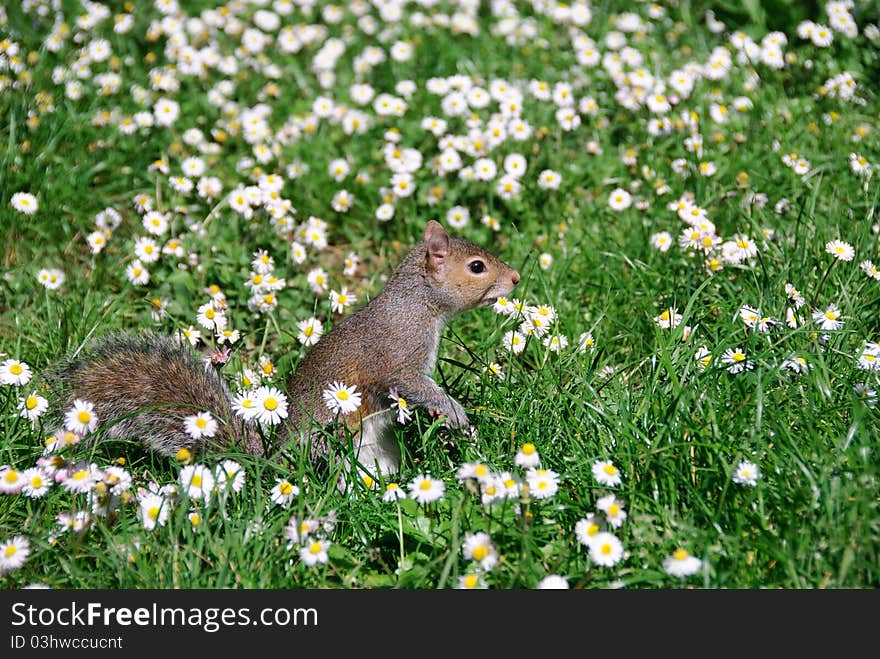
x,y
143,385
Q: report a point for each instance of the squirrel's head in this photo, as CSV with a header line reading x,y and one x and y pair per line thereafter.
x,y
462,274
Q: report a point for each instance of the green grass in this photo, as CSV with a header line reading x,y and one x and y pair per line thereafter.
x,y
676,431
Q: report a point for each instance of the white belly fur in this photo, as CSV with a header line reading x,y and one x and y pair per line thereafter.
x,y
378,452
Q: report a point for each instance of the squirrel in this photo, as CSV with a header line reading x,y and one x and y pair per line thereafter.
x,y
144,385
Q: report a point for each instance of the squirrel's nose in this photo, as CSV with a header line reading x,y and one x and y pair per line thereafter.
x,y
514,277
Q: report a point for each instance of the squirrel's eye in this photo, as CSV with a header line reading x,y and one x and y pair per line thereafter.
x,y
477,267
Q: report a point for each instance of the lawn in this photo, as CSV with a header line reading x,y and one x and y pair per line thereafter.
x,y
681,392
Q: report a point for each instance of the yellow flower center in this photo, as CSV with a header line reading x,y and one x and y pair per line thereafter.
x,y
831,315
196,480
37,482
342,395
285,488
738,356
10,551
11,476
610,470
613,510
84,416
481,552
80,475
425,485
315,547
528,448
471,580
16,369
31,402
209,314
680,554
201,423
606,548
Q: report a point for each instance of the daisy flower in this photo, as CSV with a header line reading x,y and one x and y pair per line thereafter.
x,y
556,342
15,372
11,480
747,473
244,404
668,318
310,331
586,529
153,509
829,319
36,482
606,473
494,368
514,342
543,483
393,492
13,554
32,407
50,278
553,582
197,481
341,300
283,492
399,403
870,269
682,564
425,489
315,552
549,180
527,456
619,199
271,405
137,274
704,357
840,250
298,531
209,317
869,357
586,342
200,425
471,581
229,474
613,509
82,479
736,360
81,418
478,547
606,550
24,202
341,398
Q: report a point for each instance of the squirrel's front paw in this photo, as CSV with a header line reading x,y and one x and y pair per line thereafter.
x,y
455,416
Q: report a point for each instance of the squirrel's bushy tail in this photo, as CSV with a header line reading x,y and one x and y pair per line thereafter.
x,y
144,385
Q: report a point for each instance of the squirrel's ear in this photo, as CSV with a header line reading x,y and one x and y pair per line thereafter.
x,y
437,242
